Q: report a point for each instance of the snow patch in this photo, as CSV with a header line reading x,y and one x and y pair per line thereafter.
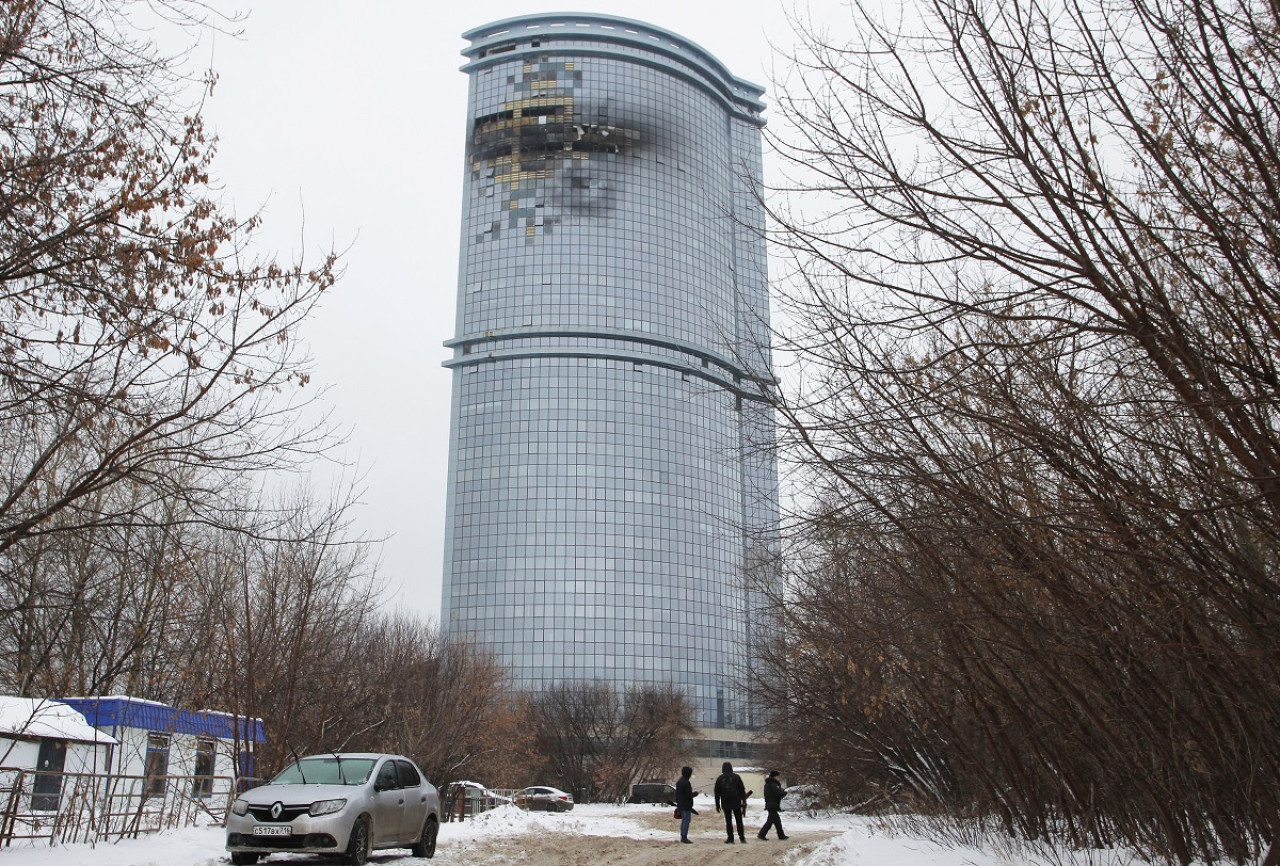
x,y
37,717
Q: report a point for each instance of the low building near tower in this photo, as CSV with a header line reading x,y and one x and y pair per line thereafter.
x,y
91,769
203,752
41,741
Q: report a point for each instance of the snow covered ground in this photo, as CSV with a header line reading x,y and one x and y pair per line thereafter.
x,y
628,835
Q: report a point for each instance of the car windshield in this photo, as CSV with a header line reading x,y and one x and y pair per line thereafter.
x,y
326,770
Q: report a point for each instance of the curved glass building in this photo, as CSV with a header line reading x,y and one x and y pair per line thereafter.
x,y
612,487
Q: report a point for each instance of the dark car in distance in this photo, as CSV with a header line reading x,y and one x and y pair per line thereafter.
x,y
653,792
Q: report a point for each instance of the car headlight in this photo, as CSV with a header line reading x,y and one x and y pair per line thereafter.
x,y
240,807
326,807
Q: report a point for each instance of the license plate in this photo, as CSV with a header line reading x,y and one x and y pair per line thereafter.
x,y
261,830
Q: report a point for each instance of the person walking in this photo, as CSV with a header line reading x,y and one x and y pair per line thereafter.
x,y
684,801
731,796
773,794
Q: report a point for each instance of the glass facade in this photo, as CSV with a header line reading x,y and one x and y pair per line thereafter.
x,y
611,483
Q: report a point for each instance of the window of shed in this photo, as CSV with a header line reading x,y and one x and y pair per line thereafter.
x,y
157,765
202,785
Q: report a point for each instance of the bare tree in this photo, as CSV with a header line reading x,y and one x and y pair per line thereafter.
x,y
286,628
596,740
176,611
1034,322
295,613
442,701
94,612
138,337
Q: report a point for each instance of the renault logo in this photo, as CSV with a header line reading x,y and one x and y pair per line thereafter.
x,y
276,808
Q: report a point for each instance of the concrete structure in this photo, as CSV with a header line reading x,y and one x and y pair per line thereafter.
x,y
612,490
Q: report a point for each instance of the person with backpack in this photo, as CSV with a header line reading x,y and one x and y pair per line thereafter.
x,y
731,797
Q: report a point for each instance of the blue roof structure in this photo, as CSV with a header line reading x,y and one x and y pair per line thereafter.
x,y
125,712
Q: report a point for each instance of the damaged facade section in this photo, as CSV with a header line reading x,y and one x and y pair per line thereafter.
x,y
534,153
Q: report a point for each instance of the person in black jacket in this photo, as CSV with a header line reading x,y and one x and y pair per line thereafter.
x,y
684,801
731,796
773,794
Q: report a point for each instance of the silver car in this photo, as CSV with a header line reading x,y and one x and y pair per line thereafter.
x,y
346,804
542,797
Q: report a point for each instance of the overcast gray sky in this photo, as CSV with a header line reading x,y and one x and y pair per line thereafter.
x,y
346,122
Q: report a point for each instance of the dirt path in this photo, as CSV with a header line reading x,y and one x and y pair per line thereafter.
x,y
548,848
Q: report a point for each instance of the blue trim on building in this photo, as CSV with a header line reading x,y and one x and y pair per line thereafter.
x,y
122,712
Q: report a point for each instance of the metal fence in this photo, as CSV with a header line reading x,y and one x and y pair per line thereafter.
x,y
460,802
86,807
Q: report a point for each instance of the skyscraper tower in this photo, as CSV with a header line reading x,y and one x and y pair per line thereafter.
x,y
611,490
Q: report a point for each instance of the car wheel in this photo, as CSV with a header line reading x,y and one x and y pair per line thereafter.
x,y
243,858
426,846
358,844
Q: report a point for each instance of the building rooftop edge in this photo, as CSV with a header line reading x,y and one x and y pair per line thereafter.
x,y
498,31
